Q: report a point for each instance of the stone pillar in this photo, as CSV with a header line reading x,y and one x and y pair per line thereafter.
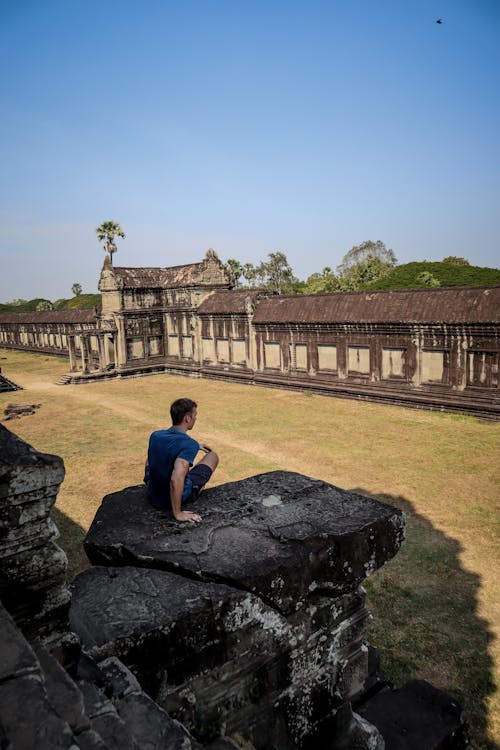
x,y
252,341
196,330
343,359
72,353
109,343
120,342
102,351
417,339
84,352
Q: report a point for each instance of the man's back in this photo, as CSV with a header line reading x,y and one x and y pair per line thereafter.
x,y
165,446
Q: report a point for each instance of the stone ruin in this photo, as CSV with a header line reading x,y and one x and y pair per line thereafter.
x,y
7,385
245,631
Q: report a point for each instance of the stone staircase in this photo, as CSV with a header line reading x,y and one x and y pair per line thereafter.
x,y
7,385
64,379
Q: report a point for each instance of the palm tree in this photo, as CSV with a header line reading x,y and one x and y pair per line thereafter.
x,y
106,233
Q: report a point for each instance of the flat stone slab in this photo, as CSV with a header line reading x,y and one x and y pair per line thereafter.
x,y
278,535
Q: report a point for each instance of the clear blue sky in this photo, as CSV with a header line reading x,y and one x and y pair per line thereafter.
x,y
249,127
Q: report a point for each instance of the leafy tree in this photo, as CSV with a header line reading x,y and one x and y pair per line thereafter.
x,y
254,275
76,289
319,283
298,287
278,273
453,260
275,274
427,279
362,273
236,270
106,233
44,304
367,249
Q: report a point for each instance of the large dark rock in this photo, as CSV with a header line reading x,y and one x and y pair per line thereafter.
x,y
280,535
253,620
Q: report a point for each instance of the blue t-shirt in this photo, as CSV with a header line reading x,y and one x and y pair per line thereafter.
x,y
164,447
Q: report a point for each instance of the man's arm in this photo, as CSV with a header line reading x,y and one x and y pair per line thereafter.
x,y
181,468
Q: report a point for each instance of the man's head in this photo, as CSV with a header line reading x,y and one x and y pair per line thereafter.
x,y
183,412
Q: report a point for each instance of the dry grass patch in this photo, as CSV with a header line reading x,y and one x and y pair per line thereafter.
x,y
435,605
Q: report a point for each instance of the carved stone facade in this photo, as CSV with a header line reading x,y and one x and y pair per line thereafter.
x,y
431,348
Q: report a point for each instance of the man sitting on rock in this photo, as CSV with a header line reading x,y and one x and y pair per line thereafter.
x,y
171,453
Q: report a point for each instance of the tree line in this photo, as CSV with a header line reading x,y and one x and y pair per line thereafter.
x,y
362,267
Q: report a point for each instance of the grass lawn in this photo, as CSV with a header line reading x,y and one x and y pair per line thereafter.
x,y
436,605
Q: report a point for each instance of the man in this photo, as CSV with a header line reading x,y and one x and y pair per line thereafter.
x,y
171,453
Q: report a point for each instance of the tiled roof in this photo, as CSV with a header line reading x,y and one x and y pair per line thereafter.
x,y
49,316
229,301
154,278
450,305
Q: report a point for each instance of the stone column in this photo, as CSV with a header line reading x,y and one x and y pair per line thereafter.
x,y
343,359
252,341
102,350
417,339
120,342
72,353
198,347
84,352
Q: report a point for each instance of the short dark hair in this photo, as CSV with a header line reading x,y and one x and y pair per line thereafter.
x,y
180,408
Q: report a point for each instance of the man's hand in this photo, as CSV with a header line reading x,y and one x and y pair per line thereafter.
x,y
187,515
204,448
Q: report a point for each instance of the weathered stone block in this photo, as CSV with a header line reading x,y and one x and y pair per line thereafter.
x,y
105,719
27,717
23,469
32,567
16,655
253,620
39,726
309,535
63,694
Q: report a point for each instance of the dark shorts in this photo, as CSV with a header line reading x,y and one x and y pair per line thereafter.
x,y
199,476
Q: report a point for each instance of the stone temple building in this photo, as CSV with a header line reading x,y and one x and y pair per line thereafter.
x,y
428,348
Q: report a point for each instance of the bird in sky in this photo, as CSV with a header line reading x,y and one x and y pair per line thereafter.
x,y
439,20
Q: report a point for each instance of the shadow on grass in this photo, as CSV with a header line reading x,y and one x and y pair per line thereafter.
x,y
71,536
425,619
